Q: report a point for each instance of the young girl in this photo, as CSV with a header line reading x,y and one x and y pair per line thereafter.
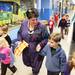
x,y
6,50
71,64
51,24
5,34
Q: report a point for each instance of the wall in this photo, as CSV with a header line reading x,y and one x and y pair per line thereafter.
x,y
45,9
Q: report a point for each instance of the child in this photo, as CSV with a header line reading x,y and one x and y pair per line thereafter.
x,y
4,49
7,37
56,18
68,25
55,55
71,64
5,34
62,25
51,24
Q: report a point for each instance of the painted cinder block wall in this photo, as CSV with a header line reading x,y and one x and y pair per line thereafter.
x,y
45,9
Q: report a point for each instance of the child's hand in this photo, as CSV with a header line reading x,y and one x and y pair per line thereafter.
x,y
38,47
2,56
11,65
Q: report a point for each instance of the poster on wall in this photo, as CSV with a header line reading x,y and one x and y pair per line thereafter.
x,y
5,6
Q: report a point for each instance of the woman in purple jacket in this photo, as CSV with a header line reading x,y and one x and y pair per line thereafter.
x,y
36,35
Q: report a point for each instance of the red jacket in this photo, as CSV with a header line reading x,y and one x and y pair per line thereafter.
x,y
51,24
56,18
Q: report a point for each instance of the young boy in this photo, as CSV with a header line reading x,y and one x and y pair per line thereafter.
x,y
55,55
68,25
62,25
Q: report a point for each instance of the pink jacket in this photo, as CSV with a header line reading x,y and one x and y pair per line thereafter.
x,y
6,51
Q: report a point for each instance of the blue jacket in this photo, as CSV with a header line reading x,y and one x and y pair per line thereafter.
x,y
57,62
62,23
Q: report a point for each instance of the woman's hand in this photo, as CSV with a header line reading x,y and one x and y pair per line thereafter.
x,y
18,43
38,47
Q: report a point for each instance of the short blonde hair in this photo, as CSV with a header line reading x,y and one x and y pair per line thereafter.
x,y
72,55
55,37
70,62
3,42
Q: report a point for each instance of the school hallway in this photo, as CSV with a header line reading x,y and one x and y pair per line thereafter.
x,y
24,70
